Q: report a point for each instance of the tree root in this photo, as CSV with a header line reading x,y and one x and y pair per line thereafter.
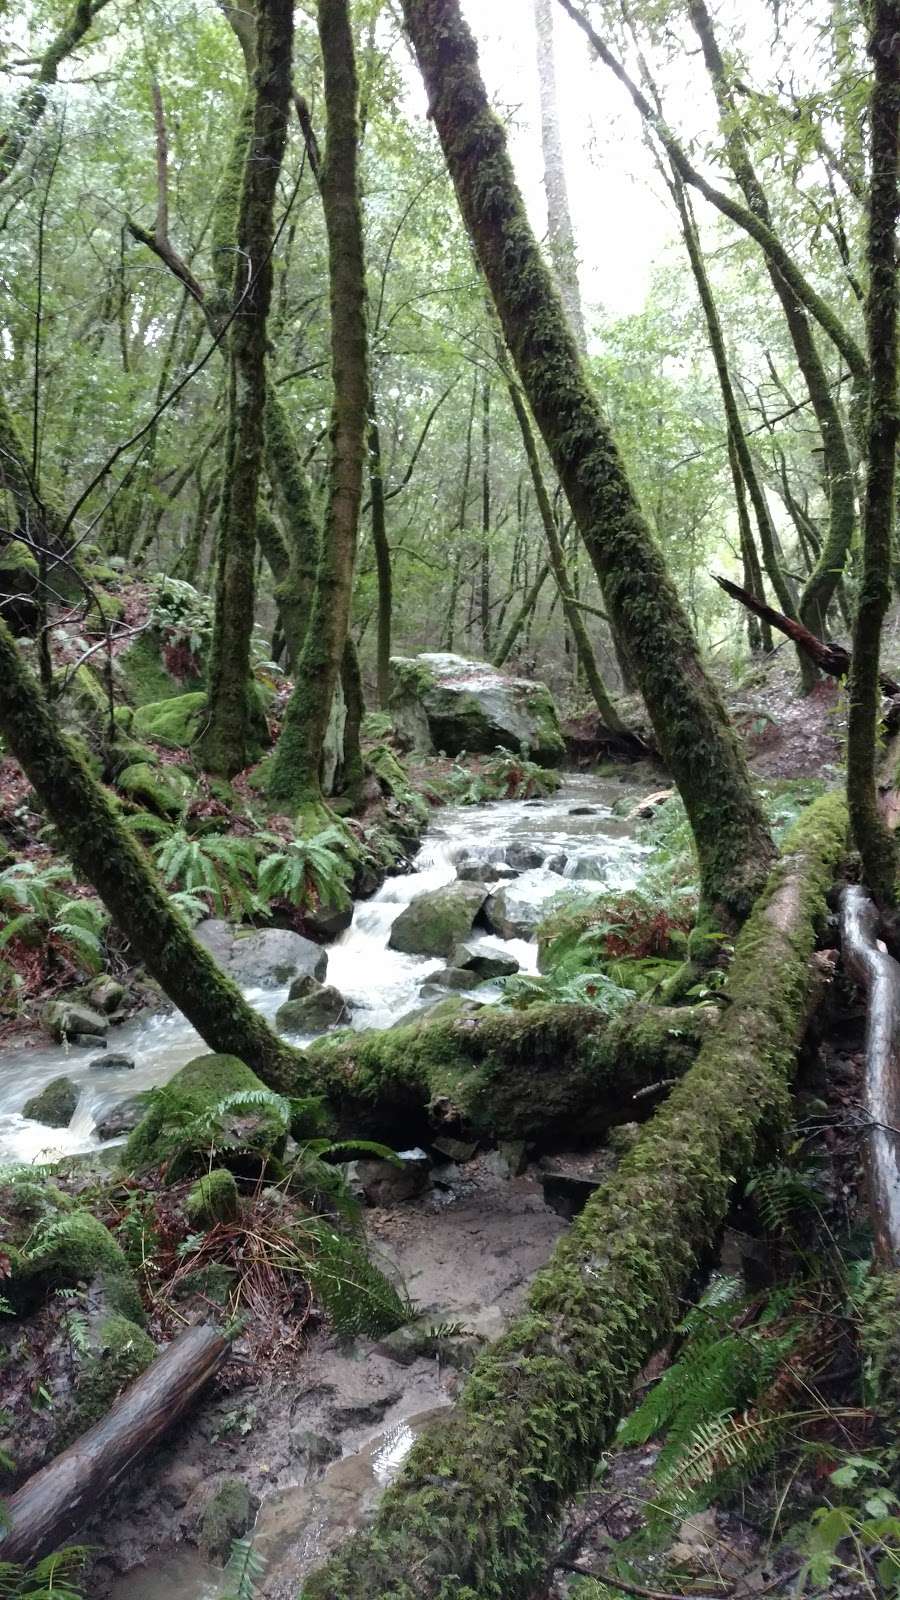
x,y
474,1508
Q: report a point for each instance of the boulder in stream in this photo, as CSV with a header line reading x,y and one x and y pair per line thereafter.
x,y
55,1105
263,957
106,994
112,1062
478,963
321,1006
120,1119
434,922
445,702
515,911
66,1019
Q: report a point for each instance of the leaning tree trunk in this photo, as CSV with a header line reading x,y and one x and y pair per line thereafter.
x,y
226,741
823,581
875,843
733,843
296,776
59,1499
480,1496
109,857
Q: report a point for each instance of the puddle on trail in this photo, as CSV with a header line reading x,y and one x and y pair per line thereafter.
x,y
296,1528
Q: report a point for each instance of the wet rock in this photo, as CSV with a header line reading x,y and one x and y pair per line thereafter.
x,y
448,978
66,1019
89,1041
444,702
113,1062
431,1338
303,986
459,1150
584,811
364,1413
55,1105
106,995
321,1007
328,922
478,963
515,911
267,957
120,1119
509,1160
227,1514
434,922
198,1088
381,1183
523,855
567,1194
556,862
313,1450
178,1482
485,871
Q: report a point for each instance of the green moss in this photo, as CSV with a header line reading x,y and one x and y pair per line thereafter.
x,y
174,722
176,1117
481,1495
55,1105
227,1516
213,1199
75,1249
145,674
120,1352
160,788
16,560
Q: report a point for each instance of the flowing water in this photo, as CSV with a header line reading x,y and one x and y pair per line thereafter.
x,y
380,984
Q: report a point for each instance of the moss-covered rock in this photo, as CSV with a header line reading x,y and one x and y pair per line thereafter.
x,y
435,922
106,994
229,1513
162,789
175,722
182,1122
214,1198
76,1248
55,1105
119,1351
321,1007
67,1019
145,674
444,702
16,560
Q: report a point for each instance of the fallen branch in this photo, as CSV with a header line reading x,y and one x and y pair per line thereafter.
x,y
879,975
58,1500
479,1498
832,659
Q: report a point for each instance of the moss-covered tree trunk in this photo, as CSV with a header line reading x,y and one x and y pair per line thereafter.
x,y
479,1498
875,843
296,778
109,857
226,741
820,588
297,583
382,550
689,719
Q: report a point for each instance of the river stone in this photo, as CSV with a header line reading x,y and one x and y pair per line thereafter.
x,y
516,910
434,922
55,1105
381,1183
433,1338
67,1020
113,1062
445,702
106,994
266,958
117,1120
227,1514
448,978
522,855
303,986
327,921
322,1007
485,871
315,1450
479,963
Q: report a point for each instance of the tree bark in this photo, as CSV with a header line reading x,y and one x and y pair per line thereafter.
x,y
820,588
109,857
878,975
875,843
560,232
296,778
382,562
504,649
58,1501
479,1497
226,742
733,843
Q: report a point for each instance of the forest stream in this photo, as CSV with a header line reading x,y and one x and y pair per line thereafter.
x,y
322,1442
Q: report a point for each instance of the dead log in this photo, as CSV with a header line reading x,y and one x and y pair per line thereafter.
x,y
878,974
831,659
479,1498
58,1500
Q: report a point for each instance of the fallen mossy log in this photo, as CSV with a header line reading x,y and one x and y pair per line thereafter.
x,y
475,1507
58,1500
878,974
831,659
536,1074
